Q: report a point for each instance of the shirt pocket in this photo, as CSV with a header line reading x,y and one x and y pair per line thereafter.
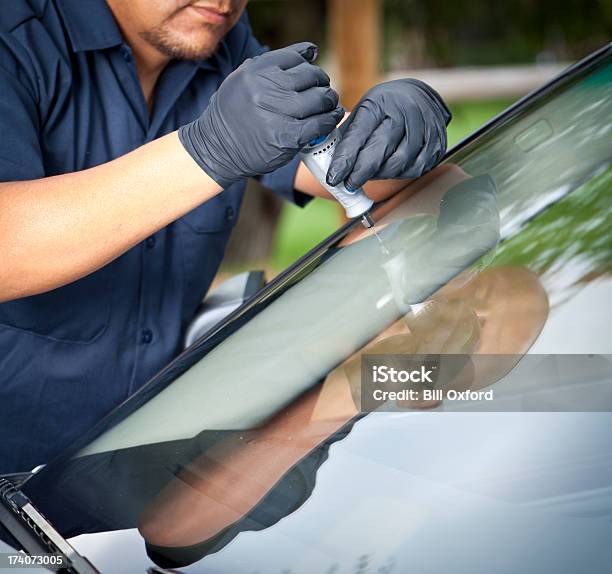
x,y
75,313
218,213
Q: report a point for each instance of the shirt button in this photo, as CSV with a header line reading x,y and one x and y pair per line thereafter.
x,y
146,336
125,53
229,213
150,242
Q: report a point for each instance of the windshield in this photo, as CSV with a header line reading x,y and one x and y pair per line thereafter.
x,y
491,253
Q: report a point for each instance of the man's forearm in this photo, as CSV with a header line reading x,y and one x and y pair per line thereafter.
x,y
57,229
225,483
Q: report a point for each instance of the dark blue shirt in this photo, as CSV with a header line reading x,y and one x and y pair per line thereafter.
x,y
69,100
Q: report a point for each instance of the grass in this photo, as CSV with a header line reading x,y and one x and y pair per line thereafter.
x,y
301,229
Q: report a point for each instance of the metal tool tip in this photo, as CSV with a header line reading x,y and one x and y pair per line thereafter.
x,y
367,221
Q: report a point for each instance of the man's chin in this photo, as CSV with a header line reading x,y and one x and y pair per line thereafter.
x,y
194,52
183,47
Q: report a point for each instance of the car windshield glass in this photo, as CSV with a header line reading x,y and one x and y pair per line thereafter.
x,y
490,253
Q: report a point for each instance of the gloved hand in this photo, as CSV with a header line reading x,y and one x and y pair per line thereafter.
x,y
396,131
264,112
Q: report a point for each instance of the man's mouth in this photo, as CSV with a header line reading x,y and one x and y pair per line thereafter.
x,y
211,14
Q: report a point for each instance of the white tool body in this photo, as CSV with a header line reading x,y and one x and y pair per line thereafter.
x,y
317,157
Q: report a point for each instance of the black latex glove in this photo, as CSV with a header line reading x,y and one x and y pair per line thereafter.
x,y
264,112
396,131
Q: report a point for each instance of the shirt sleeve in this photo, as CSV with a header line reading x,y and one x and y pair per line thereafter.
x,y
20,151
282,180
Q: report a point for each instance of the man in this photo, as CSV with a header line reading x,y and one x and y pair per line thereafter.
x,y
112,222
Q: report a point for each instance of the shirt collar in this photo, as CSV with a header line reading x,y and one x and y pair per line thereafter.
x,y
90,24
220,60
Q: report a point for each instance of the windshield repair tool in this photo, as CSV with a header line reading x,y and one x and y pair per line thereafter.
x,y
317,156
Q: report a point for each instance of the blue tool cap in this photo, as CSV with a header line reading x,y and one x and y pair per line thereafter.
x,y
317,141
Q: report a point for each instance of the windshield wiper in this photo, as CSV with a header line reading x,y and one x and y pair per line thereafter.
x,y
35,533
